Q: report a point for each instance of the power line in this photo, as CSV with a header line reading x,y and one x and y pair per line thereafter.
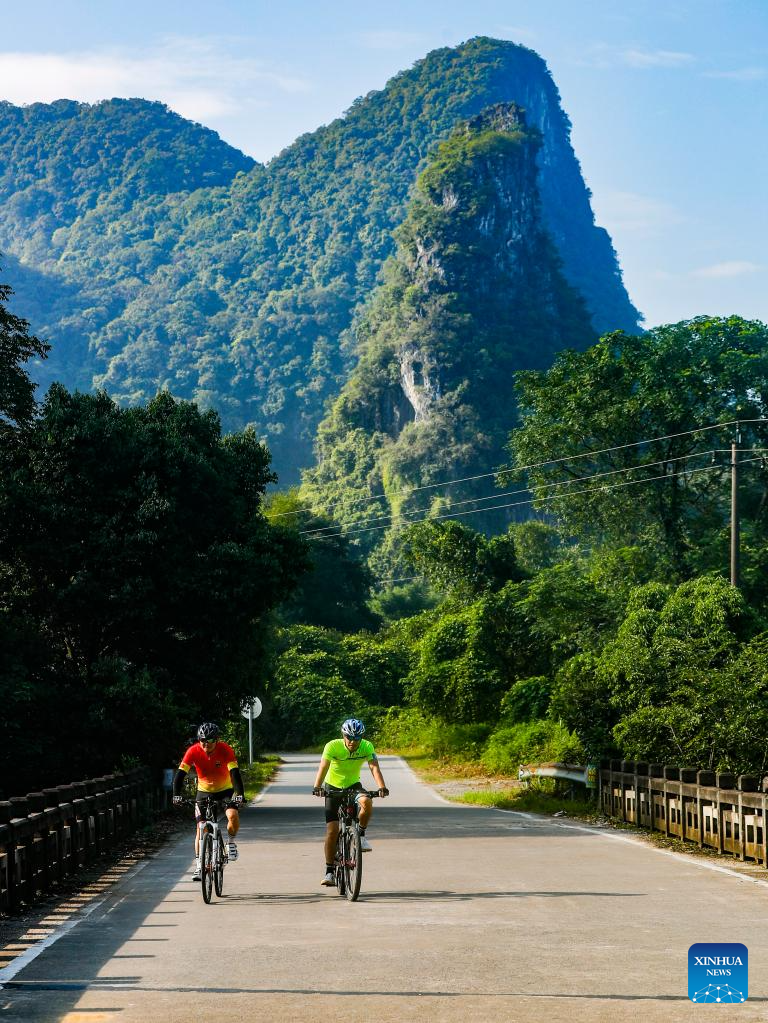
x,y
545,500
318,533
526,468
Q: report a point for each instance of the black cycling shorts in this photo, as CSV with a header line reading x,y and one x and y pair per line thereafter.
x,y
224,798
333,801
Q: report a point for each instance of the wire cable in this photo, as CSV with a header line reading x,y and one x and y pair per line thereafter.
x,y
546,500
318,532
533,465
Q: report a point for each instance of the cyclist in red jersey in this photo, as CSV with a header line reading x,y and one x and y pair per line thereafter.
x,y
218,777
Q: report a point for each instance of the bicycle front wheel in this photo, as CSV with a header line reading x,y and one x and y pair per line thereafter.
x,y
341,885
218,868
353,863
206,862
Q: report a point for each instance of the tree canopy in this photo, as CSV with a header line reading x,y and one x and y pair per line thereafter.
x,y
136,573
153,255
621,442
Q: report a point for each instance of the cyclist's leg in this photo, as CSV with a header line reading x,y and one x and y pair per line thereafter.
x,y
331,827
233,822
198,818
364,810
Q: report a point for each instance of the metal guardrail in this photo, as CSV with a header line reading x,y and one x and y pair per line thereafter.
x,y
49,835
718,810
560,772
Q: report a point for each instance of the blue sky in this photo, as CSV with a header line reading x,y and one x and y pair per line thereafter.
x,y
669,102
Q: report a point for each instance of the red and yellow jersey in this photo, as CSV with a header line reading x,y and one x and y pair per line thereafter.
x,y
212,768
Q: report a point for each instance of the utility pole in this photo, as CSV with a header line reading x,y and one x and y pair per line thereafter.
x,y
735,509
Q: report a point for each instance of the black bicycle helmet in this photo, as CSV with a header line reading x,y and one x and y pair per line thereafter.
x,y
208,732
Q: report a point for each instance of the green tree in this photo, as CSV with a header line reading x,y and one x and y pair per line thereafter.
x,y
627,390
17,347
334,592
683,681
134,550
458,559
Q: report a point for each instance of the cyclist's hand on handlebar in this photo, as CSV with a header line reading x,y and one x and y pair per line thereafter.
x,y
318,790
178,800
383,792
237,799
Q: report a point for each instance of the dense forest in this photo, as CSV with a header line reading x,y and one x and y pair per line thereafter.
x,y
474,293
152,255
137,571
606,624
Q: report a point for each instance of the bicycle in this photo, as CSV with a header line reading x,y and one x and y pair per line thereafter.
x,y
213,854
348,864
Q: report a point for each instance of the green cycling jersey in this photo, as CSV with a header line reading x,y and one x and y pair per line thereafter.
x,y
346,764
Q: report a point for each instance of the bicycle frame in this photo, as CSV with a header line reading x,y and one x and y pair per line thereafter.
x,y
213,856
348,864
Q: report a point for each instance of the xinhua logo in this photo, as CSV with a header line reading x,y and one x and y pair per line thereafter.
x,y
718,972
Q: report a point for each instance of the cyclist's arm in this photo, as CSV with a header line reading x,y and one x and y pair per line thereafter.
x,y
321,772
237,780
178,781
378,777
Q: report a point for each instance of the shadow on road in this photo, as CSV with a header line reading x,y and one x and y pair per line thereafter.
x,y
280,824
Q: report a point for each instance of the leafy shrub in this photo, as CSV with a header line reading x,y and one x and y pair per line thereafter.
x,y
310,709
532,742
527,699
408,728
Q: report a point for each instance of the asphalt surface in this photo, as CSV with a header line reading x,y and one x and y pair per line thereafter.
x,y
465,913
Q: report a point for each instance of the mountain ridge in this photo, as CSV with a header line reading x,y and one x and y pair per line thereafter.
x,y
241,295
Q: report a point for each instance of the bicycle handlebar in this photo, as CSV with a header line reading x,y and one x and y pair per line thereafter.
x,y
375,794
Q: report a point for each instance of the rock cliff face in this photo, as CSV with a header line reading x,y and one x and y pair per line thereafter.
x,y
475,292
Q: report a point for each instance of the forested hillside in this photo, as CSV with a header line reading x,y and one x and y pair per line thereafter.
x,y
137,248
474,294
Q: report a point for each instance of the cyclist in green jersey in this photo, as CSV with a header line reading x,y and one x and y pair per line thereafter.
x,y
339,768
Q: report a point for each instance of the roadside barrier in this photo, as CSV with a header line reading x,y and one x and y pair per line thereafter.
x,y
721,811
47,836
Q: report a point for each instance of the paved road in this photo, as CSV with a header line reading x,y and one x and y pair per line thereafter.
x,y
465,914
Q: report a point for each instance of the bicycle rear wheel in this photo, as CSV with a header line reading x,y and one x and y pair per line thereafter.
x,y
206,862
353,863
218,871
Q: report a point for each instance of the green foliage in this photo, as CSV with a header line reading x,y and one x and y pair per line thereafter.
x,y
627,390
310,707
188,266
410,729
322,677
531,742
403,600
537,545
526,700
684,681
474,292
136,574
17,346
460,560
334,592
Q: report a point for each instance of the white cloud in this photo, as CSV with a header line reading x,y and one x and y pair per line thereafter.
x,y
730,268
198,79
655,58
603,56
641,215
744,74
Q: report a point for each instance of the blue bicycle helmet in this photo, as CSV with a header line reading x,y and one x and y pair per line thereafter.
x,y
353,728
208,732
